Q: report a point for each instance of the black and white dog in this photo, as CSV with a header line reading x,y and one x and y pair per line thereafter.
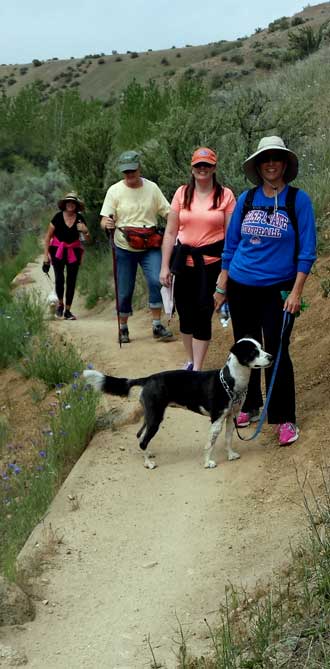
x,y
218,394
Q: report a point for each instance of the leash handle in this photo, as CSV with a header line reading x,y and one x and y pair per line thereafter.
x,y
286,321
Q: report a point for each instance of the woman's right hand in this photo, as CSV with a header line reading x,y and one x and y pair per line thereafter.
x,y
108,222
165,276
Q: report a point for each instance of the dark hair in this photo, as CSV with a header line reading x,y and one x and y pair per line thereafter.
x,y
190,189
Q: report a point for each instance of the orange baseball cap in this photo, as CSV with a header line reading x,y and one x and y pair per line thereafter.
x,y
204,155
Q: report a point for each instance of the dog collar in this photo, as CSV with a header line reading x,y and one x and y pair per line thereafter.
x,y
236,398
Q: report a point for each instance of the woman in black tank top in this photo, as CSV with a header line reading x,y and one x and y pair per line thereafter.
x,y
63,248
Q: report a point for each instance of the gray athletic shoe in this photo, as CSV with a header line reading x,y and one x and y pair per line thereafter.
x,y
161,332
124,336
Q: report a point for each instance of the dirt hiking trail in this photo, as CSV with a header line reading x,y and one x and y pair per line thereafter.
x,y
148,551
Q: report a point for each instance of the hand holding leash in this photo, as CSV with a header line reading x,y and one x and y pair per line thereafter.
x,y
45,267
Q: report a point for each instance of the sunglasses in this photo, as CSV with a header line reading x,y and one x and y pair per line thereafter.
x,y
276,156
203,165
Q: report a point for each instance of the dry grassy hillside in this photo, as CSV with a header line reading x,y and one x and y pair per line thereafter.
x,y
103,76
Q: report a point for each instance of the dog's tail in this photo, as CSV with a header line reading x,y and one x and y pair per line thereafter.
x,y
112,385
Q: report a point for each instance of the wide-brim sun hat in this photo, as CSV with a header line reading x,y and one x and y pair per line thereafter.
x,y
71,197
250,165
129,160
204,155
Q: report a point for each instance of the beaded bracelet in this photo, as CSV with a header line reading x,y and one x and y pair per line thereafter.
x,y
220,290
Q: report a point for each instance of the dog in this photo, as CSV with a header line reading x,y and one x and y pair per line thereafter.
x,y
52,302
218,394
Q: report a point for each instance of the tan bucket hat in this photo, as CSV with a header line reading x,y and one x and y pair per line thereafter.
x,y
71,197
250,165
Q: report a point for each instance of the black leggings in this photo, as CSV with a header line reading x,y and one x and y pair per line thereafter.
x,y
195,317
71,268
258,312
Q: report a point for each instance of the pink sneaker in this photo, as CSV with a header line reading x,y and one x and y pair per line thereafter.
x,y
244,418
287,433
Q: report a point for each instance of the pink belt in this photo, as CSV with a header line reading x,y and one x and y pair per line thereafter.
x,y
70,248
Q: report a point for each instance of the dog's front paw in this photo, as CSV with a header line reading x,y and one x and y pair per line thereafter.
x,y
149,465
210,464
233,455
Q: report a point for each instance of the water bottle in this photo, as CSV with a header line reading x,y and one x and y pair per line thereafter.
x,y
224,315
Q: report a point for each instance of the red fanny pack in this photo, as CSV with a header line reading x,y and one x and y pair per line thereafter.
x,y
143,238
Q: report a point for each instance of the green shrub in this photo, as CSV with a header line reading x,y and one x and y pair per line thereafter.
x,y
20,320
216,81
189,73
201,72
94,275
4,434
279,24
296,21
26,491
72,427
237,58
164,61
51,361
306,40
264,63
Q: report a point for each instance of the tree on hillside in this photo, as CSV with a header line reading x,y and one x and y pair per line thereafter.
x,y
33,129
306,40
140,107
84,156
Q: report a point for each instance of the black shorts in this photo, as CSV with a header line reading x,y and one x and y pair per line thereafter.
x,y
195,314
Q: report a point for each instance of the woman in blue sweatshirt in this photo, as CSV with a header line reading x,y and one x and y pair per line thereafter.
x,y
269,250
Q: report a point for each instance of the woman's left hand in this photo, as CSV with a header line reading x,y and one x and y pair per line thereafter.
x,y
292,303
219,299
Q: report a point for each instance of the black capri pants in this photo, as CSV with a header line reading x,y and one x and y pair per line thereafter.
x,y
65,275
257,311
195,314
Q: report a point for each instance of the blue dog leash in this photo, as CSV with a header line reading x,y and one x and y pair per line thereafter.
x,y
286,320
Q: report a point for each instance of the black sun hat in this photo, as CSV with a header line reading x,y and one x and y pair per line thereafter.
x,y
71,197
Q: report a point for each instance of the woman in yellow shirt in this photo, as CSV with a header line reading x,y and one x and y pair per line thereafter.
x,y
135,202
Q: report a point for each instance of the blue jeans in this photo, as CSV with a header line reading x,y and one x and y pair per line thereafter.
x,y
127,264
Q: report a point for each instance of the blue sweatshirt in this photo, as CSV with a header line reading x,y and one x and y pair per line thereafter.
x,y
260,250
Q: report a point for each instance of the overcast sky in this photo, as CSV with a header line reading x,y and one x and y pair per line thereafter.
x,y
64,28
